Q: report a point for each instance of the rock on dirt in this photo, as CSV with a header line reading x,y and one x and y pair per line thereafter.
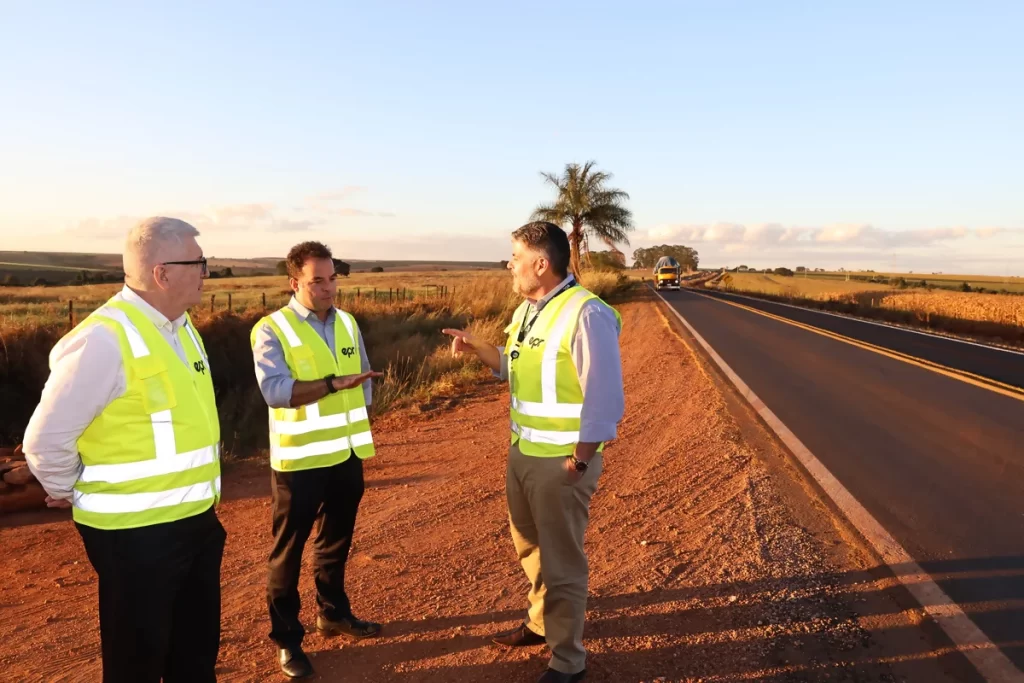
x,y
18,475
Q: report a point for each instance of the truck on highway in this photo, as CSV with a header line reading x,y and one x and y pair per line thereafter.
x,y
667,273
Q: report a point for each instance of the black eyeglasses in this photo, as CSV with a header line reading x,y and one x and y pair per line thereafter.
x,y
197,262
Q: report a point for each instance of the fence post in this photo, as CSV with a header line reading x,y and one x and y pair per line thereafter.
x,y
264,300
375,294
357,292
229,301
71,314
213,298
391,296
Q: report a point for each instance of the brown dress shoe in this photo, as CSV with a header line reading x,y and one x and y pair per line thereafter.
x,y
520,636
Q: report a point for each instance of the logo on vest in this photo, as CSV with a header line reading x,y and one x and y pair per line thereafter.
x,y
348,351
534,342
200,366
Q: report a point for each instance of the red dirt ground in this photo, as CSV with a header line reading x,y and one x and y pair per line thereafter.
x,y
711,559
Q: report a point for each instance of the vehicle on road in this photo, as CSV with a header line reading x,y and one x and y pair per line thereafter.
x,y
667,273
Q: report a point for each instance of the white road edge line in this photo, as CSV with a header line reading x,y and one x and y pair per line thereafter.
x,y
989,660
869,322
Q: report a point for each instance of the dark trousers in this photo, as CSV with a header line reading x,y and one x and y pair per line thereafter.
x,y
159,599
331,496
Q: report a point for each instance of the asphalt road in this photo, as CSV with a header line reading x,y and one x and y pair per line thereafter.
x,y
937,461
986,361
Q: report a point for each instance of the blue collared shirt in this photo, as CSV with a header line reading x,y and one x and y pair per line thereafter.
x,y
272,372
595,352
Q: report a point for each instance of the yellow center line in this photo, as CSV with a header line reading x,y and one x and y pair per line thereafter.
x,y
962,375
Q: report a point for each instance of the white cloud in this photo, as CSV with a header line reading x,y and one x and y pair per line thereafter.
x,y
842,233
325,203
337,195
285,225
836,235
961,249
989,232
104,228
242,212
764,232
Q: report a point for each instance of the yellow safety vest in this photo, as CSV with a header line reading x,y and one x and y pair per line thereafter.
x,y
324,433
546,396
153,454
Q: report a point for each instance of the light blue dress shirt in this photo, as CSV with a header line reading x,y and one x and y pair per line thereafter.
x,y
272,372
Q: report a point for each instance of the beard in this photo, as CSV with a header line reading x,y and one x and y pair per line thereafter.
x,y
526,285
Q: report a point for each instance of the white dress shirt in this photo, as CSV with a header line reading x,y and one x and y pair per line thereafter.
x,y
87,375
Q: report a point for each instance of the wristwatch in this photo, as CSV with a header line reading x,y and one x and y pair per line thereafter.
x,y
330,384
578,464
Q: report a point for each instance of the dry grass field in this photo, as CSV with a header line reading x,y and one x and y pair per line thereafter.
x,y
993,283
35,306
401,325
991,317
29,268
797,286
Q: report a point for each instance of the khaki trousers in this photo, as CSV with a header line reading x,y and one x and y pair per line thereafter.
x,y
548,518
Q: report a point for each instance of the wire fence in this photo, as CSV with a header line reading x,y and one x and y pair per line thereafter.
x,y
247,300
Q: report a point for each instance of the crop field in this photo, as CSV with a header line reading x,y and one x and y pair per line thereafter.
x,y
988,283
986,316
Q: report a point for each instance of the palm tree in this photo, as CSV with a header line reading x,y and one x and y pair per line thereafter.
x,y
586,207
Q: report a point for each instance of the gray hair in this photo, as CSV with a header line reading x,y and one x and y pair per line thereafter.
x,y
150,242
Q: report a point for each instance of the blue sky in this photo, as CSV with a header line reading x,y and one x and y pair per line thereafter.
x,y
885,135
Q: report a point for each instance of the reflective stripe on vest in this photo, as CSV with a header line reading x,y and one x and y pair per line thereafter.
x,y
163,427
546,436
315,422
547,400
121,503
164,485
324,433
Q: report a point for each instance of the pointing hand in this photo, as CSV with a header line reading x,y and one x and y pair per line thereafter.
x,y
462,341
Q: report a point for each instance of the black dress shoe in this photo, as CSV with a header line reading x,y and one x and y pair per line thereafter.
x,y
350,628
552,676
520,636
294,662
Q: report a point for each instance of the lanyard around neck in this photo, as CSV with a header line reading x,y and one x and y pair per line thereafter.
x,y
525,327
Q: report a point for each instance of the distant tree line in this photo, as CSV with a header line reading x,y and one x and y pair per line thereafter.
x,y
85,277
647,257
340,267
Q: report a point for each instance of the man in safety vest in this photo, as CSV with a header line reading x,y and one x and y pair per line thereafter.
x,y
565,378
312,369
127,435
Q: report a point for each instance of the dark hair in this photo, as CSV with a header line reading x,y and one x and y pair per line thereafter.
x,y
550,239
300,253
